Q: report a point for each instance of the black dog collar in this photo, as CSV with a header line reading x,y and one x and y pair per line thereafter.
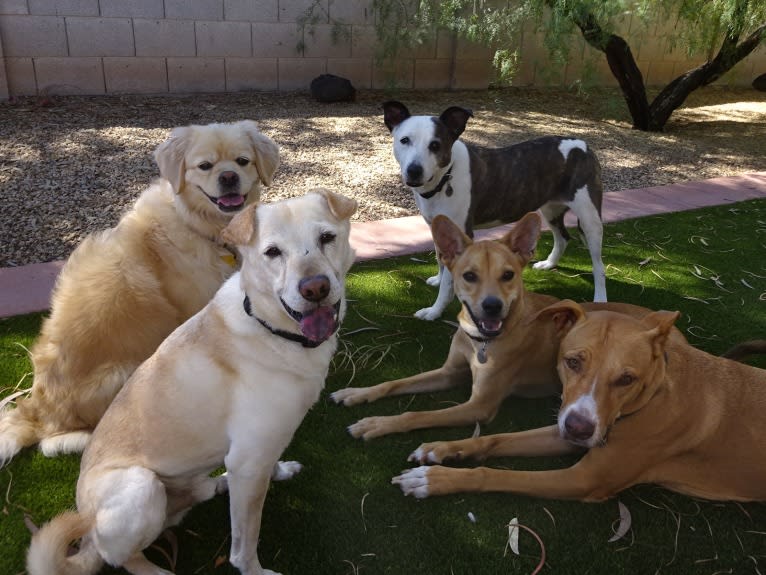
x,y
445,178
301,339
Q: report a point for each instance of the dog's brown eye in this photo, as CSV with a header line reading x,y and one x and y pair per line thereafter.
x,y
470,277
326,238
205,166
434,146
242,161
625,380
273,252
404,141
573,363
507,275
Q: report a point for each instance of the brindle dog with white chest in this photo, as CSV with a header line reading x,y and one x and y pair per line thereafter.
x,y
478,187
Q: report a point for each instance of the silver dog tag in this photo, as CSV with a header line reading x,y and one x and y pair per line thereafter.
x,y
481,355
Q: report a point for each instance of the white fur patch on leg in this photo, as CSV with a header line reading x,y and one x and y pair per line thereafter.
x,y
549,213
73,442
593,229
285,470
130,512
413,481
446,293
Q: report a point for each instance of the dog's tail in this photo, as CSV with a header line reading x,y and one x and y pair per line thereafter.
x,y
49,551
17,429
746,349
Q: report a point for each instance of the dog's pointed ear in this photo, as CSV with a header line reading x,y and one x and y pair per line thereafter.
x,y
564,314
241,228
456,118
394,113
450,240
170,157
340,206
522,239
265,151
659,324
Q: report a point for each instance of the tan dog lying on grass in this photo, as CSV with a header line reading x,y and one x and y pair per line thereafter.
x,y
124,290
648,408
499,348
229,386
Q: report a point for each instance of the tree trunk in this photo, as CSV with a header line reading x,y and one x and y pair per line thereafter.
x,y
623,67
675,93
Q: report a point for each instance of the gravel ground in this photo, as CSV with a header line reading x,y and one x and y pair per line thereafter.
x,y
73,165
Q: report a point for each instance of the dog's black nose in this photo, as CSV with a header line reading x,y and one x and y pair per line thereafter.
x,y
578,427
228,179
492,306
415,172
314,288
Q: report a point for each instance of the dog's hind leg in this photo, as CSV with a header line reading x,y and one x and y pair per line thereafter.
x,y
593,230
130,506
554,216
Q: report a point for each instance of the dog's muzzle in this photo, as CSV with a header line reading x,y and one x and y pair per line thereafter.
x,y
490,324
317,324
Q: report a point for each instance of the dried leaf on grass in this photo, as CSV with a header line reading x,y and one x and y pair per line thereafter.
x,y
624,524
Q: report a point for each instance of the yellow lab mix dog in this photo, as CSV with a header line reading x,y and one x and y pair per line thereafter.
x,y
125,289
229,386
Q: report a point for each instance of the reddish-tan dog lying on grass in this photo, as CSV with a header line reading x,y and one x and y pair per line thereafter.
x,y
500,349
647,406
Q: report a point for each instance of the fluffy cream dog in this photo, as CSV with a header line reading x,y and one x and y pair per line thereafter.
x,y
229,386
125,289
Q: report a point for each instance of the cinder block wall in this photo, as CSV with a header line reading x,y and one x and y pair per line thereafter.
x,y
182,46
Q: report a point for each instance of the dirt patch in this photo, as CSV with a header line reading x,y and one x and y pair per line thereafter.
x,y
74,166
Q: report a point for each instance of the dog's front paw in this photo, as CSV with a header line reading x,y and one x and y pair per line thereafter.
x,y
434,280
428,313
285,470
414,481
352,395
436,452
370,427
544,265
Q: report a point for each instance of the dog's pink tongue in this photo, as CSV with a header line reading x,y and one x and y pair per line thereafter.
x,y
320,324
231,200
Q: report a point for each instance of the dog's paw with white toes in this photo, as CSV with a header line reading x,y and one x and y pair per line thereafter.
x,y
285,470
413,481
424,455
428,313
434,280
544,265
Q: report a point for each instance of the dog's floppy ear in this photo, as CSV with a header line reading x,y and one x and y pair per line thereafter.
x,y
394,113
266,151
170,157
455,118
340,206
450,240
660,323
522,239
241,228
564,314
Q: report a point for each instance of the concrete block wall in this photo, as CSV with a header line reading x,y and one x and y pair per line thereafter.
x,y
173,46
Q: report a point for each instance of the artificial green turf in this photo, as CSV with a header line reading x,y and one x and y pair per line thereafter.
x,y
342,515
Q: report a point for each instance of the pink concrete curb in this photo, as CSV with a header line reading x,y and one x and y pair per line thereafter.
x,y
26,289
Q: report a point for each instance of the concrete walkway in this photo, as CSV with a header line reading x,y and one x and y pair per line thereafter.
x,y
27,289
